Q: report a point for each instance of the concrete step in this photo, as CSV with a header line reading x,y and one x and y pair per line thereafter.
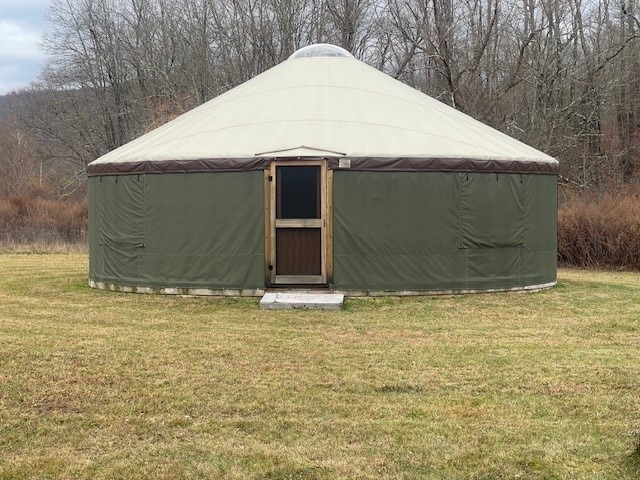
x,y
305,300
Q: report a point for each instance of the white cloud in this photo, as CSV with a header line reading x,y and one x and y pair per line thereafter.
x,y
17,42
21,27
30,11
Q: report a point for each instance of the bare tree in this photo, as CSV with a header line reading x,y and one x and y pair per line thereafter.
x,y
18,168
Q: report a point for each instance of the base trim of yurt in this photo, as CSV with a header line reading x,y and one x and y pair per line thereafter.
x,y
259,292
413,293
185,291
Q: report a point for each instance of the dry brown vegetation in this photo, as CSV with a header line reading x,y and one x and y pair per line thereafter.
x,y
32,219
600,230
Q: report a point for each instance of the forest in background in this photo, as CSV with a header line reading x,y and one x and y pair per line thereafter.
x,y
560,75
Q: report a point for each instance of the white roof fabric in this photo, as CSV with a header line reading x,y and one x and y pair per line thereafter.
x,y
323,106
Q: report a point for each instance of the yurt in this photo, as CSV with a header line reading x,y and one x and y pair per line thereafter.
x,y
323,172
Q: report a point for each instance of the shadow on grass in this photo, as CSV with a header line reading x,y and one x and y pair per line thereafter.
x,y
632,461
293,473
399,388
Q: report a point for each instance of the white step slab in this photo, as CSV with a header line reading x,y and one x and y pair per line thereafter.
x,y
305,300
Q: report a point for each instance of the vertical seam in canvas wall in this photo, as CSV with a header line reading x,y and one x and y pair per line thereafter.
x,y
466,266
144,223
459,194
523,246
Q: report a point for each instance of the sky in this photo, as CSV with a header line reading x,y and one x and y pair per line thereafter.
x,y
22,23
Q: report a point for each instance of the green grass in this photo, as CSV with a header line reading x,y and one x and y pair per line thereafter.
x,y
104,385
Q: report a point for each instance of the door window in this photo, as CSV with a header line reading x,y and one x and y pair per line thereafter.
x,y
298,192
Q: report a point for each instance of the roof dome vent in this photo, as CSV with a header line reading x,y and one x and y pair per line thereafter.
x,y
321,50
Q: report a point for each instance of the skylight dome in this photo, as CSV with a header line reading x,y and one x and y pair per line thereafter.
x,y
321,50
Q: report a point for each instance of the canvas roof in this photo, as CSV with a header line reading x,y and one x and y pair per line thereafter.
x,y
322,106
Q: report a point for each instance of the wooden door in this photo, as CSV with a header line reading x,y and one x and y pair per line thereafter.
x,y
298,224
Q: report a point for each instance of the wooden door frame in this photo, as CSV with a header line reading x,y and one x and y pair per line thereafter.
x,y
324,223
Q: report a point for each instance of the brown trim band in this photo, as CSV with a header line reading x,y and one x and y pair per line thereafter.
x,y
179,166
412,164
392,164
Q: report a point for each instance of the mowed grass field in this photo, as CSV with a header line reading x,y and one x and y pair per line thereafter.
x,y
103,385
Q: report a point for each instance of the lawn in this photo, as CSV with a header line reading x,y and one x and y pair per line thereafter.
x,y
103,385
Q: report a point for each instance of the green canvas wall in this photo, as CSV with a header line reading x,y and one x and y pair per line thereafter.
x,y
393,231
201,230
443,231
